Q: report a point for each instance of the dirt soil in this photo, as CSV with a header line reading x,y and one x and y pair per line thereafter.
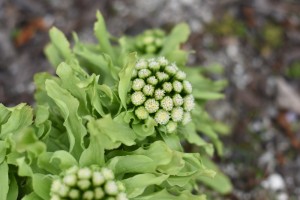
x,y
256,41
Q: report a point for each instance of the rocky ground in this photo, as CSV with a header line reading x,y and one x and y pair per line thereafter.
x,y
257,42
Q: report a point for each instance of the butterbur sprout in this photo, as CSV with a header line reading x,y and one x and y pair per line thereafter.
x,y
151,41
161,92
87,183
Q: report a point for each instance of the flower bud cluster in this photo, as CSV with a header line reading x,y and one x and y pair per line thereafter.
x,y
159,90
150,42
88,183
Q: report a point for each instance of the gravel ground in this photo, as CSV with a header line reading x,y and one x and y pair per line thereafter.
x,y
257,42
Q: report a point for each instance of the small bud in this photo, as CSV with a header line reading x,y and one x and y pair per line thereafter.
x,y
177,86
84,173
150,49
121,186
141,113
154,65
56,186
55,197
188,103
138,98
148,90
148,40
88,195
98,178
163,61
159,94
177,114
151,105
70,180
180,75
99,194
162,117
121,196
144,73
63,191
171,69
187,87
134,73
178,100
74,194
84,184
162,76
108,174
141,64
167,87
167,103
171,126
138,84
111,188
152,80
72,170
186,118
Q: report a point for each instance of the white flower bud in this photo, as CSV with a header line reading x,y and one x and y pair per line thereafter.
x,y
98,178
167,86
162,76
159,94
148,90
108,174
84,173
70,180
186,118
56,184
74,194
55,197
178,100
141,64
187,87
162,117
154,65
141,113
188,103
99,194
167,103
121,196
180,75
148,40
72,170
138,98
63,191
111,188
144,73
152,80
177,114
171,126
163,61
83,184
138,84
171,69
177,86
151,105
88,195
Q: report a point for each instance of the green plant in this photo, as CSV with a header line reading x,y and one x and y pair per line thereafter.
x,y
117,114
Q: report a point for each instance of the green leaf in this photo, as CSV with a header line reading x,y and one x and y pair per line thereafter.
x,y
61,44
21,117
68,107
52,55
66,160
4,181
41,185
13,188
24,168
111,132
178,35
2,151
125,78
137,184
131,164
220,183
4,114
102,35
165,195
32,196
206,95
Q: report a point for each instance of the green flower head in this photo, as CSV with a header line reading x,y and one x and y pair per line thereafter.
x,y
150,42
160,91
87,183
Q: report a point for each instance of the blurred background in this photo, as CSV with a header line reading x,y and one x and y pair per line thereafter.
x,y
256,41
